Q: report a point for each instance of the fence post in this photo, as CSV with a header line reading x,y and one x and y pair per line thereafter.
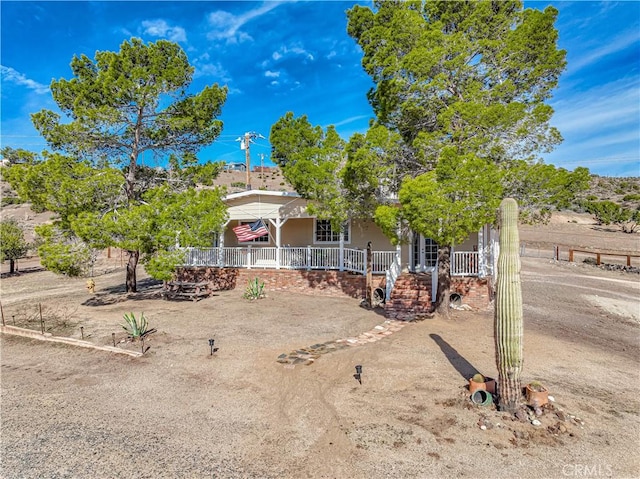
x,y
570,255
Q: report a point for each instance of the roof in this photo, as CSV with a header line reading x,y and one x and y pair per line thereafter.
x,y
245,194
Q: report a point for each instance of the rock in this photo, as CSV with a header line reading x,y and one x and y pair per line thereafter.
x,y
538,411
551,398
519,435
483,427
561,415
521,415
535,422
562,428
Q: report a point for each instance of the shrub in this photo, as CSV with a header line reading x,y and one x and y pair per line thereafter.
x,y
136,328
255,289
631,197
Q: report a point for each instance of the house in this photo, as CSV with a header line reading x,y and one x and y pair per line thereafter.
x,y
235,167
301,252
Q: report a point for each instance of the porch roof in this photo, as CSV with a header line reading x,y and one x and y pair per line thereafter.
x,y
253,204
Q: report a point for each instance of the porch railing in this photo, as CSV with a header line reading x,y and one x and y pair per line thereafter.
x,y
392,274
309,258
465,263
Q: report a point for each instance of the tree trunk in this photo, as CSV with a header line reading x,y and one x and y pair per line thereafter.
x,y
444,280
131,271
508,321
12,266
369,276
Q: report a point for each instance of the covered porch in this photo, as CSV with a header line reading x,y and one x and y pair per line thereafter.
x,y
463,263
297,240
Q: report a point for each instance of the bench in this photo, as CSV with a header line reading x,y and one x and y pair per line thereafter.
x,y
265,263
183,289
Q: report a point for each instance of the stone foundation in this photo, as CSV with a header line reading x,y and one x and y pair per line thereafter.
x,y
475,292
328,283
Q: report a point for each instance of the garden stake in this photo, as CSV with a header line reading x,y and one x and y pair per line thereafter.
x,y
82,332
2,313
358,374
113,336
41,320
13,316
142,345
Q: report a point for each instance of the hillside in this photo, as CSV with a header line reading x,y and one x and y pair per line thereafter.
x,y
271,179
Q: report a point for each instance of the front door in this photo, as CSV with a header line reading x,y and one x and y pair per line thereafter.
x,y
424,254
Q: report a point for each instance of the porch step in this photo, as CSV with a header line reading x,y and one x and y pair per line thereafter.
x,y
411,297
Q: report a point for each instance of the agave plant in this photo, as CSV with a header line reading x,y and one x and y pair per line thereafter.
x,y
255,289
137,328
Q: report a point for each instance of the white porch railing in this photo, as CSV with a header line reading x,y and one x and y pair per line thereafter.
x,y
392,275
309,257
465,263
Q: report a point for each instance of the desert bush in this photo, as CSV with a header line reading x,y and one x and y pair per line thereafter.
x,y
255,289
631,197
136,328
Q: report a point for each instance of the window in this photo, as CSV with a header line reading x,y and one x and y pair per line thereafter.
x,y
324,233
430,252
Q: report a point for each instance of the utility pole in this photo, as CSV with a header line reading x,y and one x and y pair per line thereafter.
x,y
245,144
262,168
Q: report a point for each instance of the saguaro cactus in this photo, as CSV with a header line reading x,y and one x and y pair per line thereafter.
x,y
508,310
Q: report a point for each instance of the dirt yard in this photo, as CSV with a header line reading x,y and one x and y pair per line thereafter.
x,y
181,412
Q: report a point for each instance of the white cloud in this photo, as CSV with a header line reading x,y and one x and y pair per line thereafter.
x,y
226,26
214,70
160,28
351,119
600,127
12,76
616,44
599,109
294,50
270,74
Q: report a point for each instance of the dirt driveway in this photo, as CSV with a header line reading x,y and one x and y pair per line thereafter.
x,y
180,412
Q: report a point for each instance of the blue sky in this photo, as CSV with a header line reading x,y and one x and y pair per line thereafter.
x,y
296,56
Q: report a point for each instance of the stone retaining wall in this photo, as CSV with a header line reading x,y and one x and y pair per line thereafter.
x,y
329,283
475,292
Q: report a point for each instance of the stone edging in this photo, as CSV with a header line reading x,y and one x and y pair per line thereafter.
x,y
29,333
306,356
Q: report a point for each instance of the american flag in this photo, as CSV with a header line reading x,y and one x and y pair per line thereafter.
x,y
250,231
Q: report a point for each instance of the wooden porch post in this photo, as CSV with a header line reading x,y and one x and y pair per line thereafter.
x,y
482,260
369,276
278,241
221,246
341,253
